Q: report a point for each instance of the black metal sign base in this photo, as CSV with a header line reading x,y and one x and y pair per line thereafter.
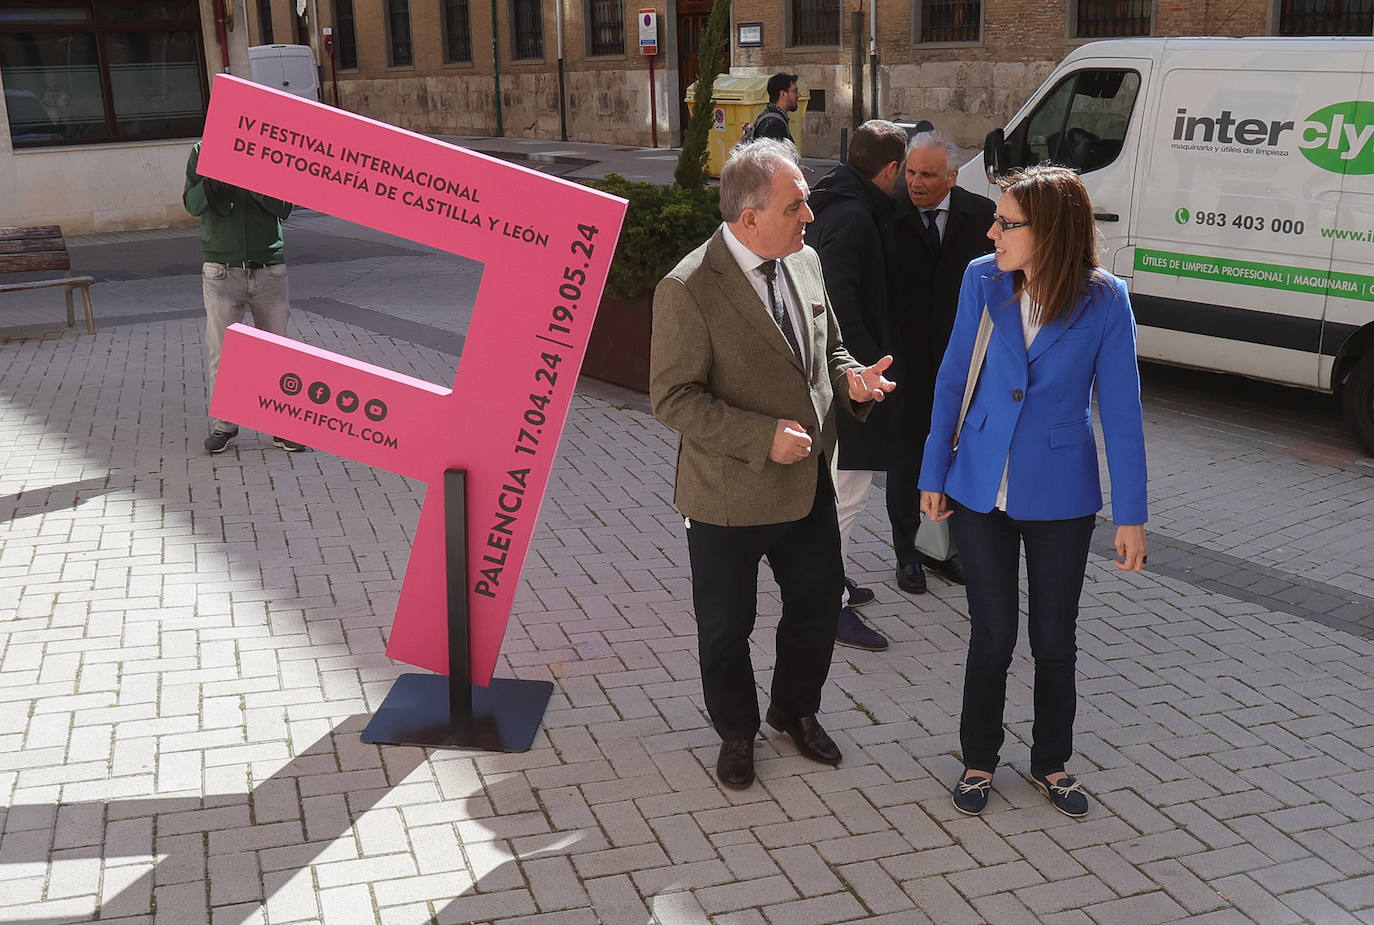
x,y
505,716
438,711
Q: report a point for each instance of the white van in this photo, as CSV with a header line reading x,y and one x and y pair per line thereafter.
x,y
290,68
1233,180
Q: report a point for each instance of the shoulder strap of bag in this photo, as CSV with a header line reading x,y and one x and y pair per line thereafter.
x,y
975,366
770,114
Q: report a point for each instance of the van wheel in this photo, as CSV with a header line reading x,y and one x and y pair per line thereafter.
x,y
1358,398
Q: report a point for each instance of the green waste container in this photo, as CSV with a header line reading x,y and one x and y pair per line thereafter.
x,y
737,100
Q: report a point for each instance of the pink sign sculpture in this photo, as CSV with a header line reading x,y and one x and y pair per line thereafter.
x,y
546,244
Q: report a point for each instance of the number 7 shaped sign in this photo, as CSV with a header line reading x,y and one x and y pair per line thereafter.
x,y
546,244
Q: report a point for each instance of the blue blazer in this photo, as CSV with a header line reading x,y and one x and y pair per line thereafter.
x,y
1031,411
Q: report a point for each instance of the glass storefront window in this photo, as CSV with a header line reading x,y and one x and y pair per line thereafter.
x,y
154,84
127,11
52,88
19,14
101,71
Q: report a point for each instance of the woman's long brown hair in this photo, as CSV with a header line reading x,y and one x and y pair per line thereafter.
x,y
1061,219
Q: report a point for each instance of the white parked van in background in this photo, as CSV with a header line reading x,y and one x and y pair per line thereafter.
x,y
285,67
1233,180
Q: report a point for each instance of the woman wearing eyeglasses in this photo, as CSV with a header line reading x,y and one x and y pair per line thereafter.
x,y
1025,471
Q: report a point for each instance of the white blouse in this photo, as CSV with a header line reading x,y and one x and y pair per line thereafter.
x,y
1030,326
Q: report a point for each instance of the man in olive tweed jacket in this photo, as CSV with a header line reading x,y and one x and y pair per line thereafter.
x,y
754,403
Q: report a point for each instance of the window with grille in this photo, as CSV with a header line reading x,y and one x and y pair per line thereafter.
x,y
528,34
398,33
457,32
1326,17
345,36
815,22
265,21
1111,18
90,71
950,20
606,19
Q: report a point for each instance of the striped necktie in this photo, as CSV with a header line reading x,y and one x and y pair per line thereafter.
x,y
769,268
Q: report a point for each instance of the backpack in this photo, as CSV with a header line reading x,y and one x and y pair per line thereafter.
x,y
749,133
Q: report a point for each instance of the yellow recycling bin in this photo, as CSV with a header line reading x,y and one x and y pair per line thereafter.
x,y
737,100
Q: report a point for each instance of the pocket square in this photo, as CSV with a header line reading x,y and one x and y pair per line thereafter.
x,y
817,309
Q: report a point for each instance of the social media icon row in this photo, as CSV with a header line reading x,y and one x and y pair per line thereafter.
x,y
320,393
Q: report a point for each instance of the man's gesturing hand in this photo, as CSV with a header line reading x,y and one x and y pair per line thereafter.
x,y
791,443
868,384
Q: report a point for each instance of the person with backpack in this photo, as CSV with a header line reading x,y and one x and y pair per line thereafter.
x,y
773,121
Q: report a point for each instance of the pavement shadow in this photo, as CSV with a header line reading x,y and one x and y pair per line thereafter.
x,y
301,810
210,849
52,499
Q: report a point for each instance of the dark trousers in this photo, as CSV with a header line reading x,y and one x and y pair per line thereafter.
x,y
904,504
1056,556
805,558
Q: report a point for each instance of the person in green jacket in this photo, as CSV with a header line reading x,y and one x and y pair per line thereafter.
x,y
241,242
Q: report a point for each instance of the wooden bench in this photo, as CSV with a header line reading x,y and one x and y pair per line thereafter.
x,y
41,248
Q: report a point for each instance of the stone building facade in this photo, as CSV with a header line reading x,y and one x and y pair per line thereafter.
x,y
431,66
102,98
966,65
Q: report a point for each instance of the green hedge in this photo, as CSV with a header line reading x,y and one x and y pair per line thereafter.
x,y
662,225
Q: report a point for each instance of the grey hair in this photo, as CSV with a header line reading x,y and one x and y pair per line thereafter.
x,y
936,140
747,176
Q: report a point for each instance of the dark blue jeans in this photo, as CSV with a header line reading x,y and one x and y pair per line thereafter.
x,y
1056,556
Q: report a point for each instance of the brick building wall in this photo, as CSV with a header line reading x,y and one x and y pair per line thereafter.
x,y
965,88
606,96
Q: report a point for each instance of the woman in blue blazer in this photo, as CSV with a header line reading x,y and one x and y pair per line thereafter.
x,y
1025,468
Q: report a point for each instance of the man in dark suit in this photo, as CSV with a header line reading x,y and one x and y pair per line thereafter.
x,y
746,364
938,228
853,205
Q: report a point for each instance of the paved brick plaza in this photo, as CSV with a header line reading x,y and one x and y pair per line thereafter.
x,y
190,646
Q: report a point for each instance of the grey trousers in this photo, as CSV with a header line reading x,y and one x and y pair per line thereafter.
x,y
228,291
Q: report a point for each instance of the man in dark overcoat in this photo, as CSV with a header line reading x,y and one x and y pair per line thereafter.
x,y
937,229
852,205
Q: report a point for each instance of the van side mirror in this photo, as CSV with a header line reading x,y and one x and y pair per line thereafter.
x,y
995,154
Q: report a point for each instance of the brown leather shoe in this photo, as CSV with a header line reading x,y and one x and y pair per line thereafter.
x,y
735,765
811,740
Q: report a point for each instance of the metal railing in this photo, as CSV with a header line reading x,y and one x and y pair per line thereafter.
x,y
815,22
398,32
1326,17
1113,18
529,29
951,20
457,31
607,27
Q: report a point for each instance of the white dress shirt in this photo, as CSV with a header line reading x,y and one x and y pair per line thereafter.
x,y
750,262
1030,326
941,217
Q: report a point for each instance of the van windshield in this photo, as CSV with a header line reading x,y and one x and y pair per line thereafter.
x,y
1081,123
